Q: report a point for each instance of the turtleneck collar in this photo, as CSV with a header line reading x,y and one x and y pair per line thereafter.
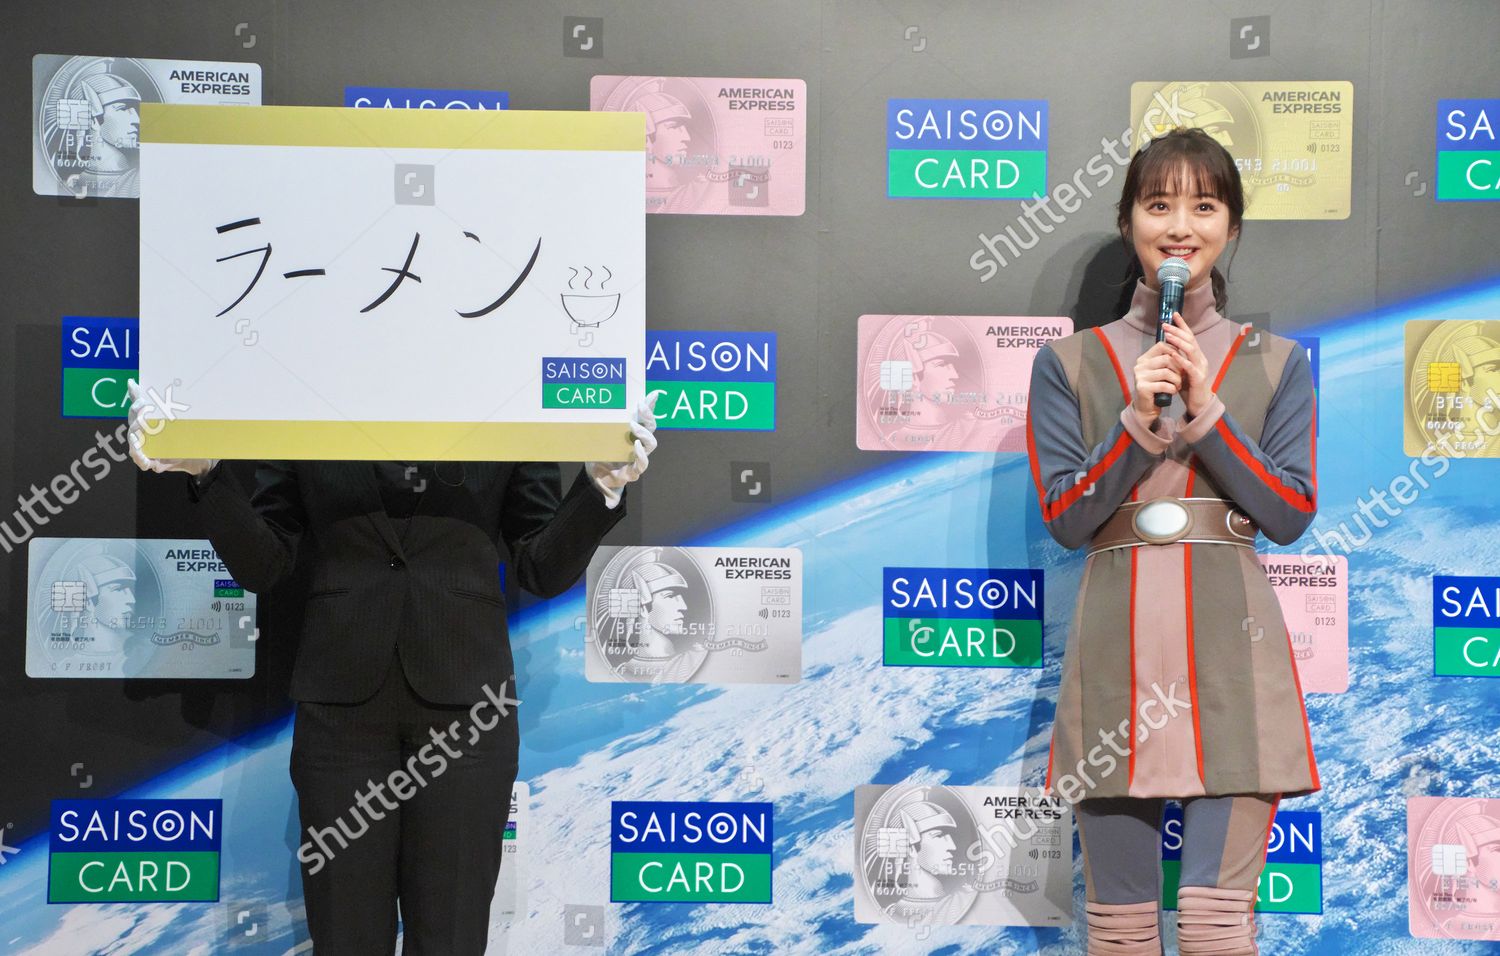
x,y
1197,308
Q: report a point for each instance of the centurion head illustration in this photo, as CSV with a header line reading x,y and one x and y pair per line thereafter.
x,y
929,835
921,346
104,623
661,109
929,839
1478,355
89,123
683,163
1477,832
910,841
103,90
652,578
114,121
652,610
102,574
667,117
659,588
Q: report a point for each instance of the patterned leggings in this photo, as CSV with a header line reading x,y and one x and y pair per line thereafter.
x,y
1223,852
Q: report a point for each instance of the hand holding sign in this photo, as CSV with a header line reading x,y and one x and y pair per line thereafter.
x,y
611,477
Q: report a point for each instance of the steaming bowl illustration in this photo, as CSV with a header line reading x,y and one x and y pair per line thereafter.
x,y
590,309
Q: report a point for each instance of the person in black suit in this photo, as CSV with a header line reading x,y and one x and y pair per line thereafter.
x,y
404,747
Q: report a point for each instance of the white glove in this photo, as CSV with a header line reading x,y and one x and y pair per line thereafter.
x,y
139,406
612,476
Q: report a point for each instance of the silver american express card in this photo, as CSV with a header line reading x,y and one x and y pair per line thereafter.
x,y
86,119
135,607
935,855
662,615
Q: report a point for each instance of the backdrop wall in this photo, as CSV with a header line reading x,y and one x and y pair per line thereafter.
x,y
1345,286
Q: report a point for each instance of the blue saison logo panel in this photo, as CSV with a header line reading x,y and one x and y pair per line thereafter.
x,y
396,97
1465,626
99,355
116,851
1468,150
570,382
679,852
713,380
1292,880
966,149
962,617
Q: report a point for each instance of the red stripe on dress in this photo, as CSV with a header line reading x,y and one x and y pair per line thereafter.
x,y
1080,487
1187,573
1218,380
1312,446
1283,491
1130,778
1229,357
1312,763
1051,748
1036,471
1115,361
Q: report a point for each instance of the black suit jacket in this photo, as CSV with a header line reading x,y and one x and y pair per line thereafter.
x,y
433,592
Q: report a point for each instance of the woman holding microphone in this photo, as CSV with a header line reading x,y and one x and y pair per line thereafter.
x,y
1178,679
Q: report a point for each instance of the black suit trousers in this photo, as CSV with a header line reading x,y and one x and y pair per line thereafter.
x,y
403,802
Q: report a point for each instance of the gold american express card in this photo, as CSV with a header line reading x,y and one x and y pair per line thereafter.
x,y
1292,140
1451,388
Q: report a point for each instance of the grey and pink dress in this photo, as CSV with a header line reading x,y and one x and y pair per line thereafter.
x,y
1194,624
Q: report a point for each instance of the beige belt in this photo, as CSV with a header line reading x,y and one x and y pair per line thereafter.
x,y
1169,520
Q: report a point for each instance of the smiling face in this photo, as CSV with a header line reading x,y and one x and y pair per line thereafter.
x,y
1182,197
1181,217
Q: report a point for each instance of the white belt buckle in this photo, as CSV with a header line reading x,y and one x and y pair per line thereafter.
x,y
1161,520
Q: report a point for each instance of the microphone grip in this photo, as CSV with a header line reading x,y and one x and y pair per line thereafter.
x,y
1171,301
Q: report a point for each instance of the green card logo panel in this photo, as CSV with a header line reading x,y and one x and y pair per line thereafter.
x,y
713,380
1290,882
135,851
966,149
583,382
1468,150
1465,626
683,852
98,356
962,617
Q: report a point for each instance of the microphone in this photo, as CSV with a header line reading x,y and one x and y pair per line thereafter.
x,y
1172,276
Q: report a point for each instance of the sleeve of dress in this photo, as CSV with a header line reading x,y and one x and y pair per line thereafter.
x,y
1080,487
1275,480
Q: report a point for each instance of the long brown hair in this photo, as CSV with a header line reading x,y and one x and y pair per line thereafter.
x,y
1189,161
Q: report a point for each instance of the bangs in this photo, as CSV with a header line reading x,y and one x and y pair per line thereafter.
x,y
1169,172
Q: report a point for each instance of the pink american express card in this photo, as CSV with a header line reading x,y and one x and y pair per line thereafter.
x,y
1314,593
1453,867
948,382
718,146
